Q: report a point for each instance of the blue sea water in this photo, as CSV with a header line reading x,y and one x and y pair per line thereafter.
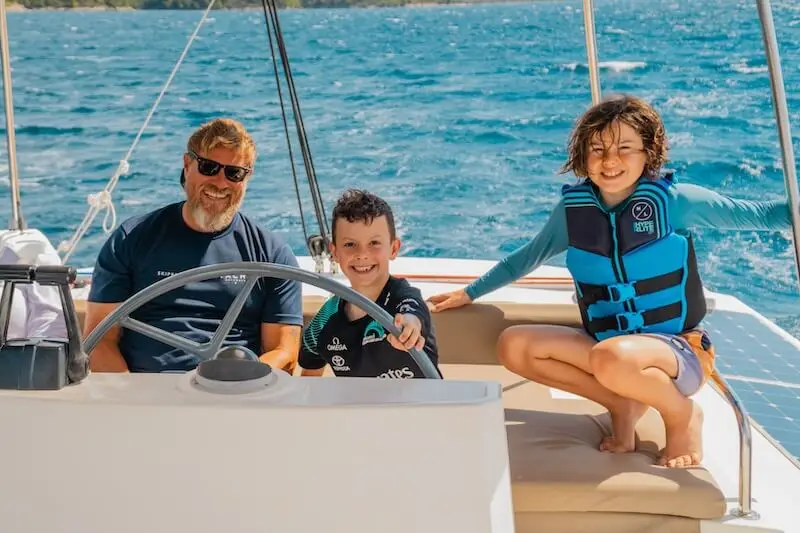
x,y
457,114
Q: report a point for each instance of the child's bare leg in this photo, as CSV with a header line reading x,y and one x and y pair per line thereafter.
x,y
559,357
643,368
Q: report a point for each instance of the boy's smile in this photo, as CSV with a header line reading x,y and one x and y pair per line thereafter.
x,y
363,269
363,251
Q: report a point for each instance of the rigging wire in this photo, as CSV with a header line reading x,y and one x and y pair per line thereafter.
x,y
271,18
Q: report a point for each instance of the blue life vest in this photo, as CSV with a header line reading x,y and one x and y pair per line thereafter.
x,y
633,273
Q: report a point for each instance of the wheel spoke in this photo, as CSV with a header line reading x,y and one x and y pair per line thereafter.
x,y
232,314
166,337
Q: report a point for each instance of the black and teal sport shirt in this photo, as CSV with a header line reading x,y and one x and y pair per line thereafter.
x,y
360,348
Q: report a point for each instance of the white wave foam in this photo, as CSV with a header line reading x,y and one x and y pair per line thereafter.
x,y
681,138
763,264
743,68
710,104
621,66
616,31
752,168
94,59
134,201
613,66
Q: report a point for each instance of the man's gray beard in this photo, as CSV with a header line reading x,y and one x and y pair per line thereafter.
x,y
212,223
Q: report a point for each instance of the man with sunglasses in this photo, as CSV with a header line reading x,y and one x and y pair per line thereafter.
x,y
206,228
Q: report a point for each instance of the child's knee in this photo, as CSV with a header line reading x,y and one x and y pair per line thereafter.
x,y
606,359
512,347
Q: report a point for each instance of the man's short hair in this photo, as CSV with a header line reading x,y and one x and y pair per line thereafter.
x,y
221,132
225,133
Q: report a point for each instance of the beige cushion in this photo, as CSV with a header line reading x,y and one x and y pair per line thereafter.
x,y
603,522
556,465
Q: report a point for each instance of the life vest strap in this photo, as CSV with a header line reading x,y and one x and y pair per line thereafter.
x,y
632,321
622,292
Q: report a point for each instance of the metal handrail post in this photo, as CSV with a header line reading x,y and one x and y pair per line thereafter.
x,y
16,222
745,509
591,49
782,116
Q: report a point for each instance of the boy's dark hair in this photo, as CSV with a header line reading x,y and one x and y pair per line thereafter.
x,y
357,205
629,110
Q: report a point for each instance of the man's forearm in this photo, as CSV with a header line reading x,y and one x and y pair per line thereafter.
x,y
106,357
279,358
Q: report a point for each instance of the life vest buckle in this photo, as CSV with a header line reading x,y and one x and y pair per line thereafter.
x,y
621,292
629,321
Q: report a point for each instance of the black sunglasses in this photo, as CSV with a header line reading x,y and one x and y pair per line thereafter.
x,y
209,167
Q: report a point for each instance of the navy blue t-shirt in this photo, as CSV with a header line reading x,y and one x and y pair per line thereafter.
x,y
149,248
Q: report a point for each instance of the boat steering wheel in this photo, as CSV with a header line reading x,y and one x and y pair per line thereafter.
x,y
253,272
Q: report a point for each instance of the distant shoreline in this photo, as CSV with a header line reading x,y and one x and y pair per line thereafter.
x,y
21,8
105,8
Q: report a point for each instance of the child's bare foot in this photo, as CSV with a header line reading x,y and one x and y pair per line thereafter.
x,y
623,426
684,439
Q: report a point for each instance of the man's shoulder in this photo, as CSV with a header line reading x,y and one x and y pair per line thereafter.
x,y
250,224
153,219
145,227
271,243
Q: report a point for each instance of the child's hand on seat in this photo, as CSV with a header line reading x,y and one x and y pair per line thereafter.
x,y
448,300
411,334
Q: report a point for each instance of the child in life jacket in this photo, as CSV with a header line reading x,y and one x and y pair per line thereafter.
x,y
626,230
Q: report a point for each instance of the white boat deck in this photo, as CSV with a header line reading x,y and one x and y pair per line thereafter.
x,y
776,476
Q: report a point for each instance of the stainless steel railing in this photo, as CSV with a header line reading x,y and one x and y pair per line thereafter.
x,y
745,509
591,49
782,118
16,222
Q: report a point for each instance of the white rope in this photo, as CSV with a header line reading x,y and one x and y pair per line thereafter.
x,y
102,200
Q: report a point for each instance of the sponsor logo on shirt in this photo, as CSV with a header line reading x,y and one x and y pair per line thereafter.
x,y
336,346
233,279
397,373
373,333
410,302
338,363
406,308
372,337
